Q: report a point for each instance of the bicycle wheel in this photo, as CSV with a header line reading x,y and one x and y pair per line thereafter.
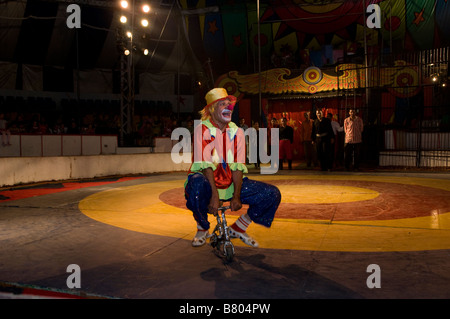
x,y
228,251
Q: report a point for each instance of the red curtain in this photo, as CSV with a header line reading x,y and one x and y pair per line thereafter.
x,y
293,111
245,111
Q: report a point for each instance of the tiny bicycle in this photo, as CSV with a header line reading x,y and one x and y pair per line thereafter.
x,y
220,238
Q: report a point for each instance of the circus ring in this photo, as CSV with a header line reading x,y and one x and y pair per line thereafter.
x,y
352,213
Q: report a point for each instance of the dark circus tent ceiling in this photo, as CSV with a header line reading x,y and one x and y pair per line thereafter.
x,y
227,33
35,32
216,36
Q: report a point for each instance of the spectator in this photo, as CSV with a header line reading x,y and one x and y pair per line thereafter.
x,y
273,124
306,129
35,128
73,128
286,136
353,128
43,126
322,137
89,130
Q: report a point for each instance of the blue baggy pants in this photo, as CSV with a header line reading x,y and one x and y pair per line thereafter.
x,y
263,199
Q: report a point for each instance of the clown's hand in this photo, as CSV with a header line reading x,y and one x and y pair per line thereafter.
x,y
235,204
214,204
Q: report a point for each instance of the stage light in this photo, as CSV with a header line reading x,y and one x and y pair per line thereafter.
x,y
144,22
129,34
145,51
126,52
123,19
146,8
124,4
434,78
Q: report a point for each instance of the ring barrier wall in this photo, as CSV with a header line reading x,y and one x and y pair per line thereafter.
x,y
38,158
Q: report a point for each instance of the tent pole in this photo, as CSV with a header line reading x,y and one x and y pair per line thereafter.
x,y
259,63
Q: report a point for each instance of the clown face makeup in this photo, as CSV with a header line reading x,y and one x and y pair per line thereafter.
x,y
222,113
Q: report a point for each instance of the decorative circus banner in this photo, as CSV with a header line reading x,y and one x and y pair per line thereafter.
x,y
401,80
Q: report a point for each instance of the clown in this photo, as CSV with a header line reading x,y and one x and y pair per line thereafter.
x,y
217,173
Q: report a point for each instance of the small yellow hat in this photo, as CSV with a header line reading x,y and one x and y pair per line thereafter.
x,y
219,94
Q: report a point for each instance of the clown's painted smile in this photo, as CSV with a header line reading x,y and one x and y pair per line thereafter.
x,y
222,113
226,114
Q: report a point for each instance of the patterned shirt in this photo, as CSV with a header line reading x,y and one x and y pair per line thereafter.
x,y
223,152
353,130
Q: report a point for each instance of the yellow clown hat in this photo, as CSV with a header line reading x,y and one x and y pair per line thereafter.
x,y
219,94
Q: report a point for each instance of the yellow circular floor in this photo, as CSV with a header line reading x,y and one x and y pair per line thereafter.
x,y
139,208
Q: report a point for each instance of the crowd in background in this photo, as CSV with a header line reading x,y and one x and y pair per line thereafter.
x,y
146,127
